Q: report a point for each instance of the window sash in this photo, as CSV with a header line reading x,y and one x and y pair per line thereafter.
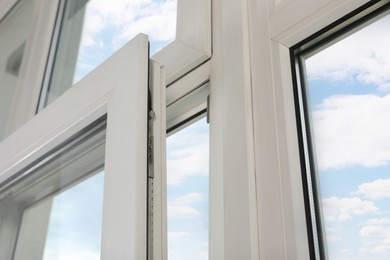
x,y
104,91
190,49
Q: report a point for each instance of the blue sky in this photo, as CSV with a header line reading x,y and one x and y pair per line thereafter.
x,y
107,27
349,93
75,222
188,183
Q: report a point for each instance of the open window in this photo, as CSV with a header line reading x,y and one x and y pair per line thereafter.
x,y
52,50
100,125
87,32
26,32
52,57
187,178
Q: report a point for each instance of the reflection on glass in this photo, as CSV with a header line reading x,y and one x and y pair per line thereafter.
x,y
187,191
14,31
93,30
53,209
349,104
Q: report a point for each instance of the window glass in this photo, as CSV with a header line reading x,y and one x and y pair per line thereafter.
x,y
73,227
93,30
187,191
348,91
53,210
14,31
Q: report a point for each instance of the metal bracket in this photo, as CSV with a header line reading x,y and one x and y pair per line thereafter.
x,y
208,110
152,116
150,149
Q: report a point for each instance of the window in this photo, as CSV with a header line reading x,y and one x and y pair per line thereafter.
x,y
104,93
57,57
187,178
58,202
187,191
26,32
342,95
14,32
91,31
54,43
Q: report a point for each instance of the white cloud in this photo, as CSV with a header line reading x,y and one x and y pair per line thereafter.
x,y
188,155
352,130
128,18
380,249
93,25
379,235
384,87
378,221
65,251
182,211
178,234
180,207
156,19
189,198
333,238
377,189
363,55
341,209
109,26
374,230
344,251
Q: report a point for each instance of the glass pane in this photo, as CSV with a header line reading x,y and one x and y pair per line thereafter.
x,y
73,227
93,30
187,191
14,31
55,210
348,87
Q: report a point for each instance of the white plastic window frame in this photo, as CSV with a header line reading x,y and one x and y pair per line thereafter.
x,y
282,231
34,60
104,92
192,45
343,27
187,69
190,49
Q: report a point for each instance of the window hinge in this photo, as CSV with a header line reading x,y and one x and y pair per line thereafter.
x,y
150,149
208,110
152,116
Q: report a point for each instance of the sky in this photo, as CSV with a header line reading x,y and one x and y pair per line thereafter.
x,y
188,189
107,27
349,103
74,230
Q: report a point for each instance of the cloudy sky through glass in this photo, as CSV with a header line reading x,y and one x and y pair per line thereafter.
x,y
349,93
188,183
110,25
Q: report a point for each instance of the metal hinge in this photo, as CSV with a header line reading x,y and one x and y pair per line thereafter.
x,y
152,116
208,110
150,149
